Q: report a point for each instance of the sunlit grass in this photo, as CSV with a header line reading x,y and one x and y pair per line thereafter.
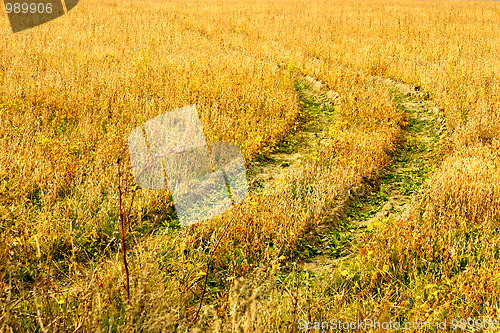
x,y
73,89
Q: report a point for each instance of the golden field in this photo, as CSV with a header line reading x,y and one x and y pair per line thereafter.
x,y
74,88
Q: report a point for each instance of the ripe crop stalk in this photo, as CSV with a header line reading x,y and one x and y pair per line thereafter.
x,y
210,262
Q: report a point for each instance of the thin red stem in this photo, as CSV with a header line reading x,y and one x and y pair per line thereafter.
x,y
122,223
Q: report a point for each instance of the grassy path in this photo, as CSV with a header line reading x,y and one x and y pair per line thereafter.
x,y
393,193
396,191
319,104
293,289
306,288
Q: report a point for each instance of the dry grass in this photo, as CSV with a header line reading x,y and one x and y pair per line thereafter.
x,y
71,91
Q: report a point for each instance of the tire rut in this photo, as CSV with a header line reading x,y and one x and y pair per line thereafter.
x,y
396,191
298,146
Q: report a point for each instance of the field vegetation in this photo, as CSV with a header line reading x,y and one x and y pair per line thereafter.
x,y
73,89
